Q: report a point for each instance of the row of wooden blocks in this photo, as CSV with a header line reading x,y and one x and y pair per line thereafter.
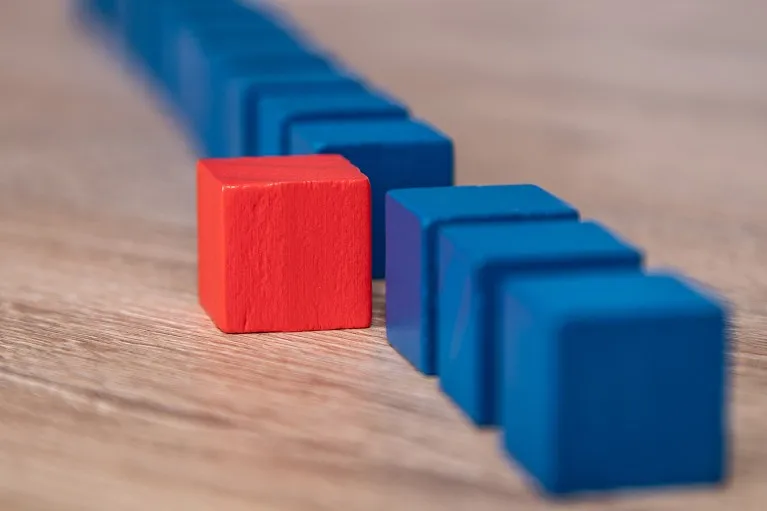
x,y
600,374
244,81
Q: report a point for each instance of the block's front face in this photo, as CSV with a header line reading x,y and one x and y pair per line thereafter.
x,y
295,245
406,286
640,401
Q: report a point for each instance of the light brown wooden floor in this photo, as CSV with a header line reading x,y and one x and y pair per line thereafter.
x,y
117,393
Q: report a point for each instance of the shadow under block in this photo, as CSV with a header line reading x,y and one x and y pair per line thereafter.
x,y
613,382
413,220
278,114
284,244
473,259
237,94
393,154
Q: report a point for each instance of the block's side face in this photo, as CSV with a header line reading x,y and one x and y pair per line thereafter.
x,y
326,257
210,246
641,401
406,295
254,265
528,393
460,303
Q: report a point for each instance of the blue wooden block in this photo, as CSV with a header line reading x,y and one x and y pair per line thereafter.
x,y
392,153
613,381
210,21
191,47
278,114
413,220
472,260
237,95
141,28
98,12
198,98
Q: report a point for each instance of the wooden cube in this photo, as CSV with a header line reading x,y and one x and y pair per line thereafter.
x,y
284,243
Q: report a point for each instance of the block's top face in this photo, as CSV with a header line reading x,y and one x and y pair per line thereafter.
x,y
444,204
251,39
369,132
279,62
236,55
271,77
238,172
595,297
293,104
230,25
537,244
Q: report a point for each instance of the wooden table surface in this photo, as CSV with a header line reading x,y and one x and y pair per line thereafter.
x,y
116,391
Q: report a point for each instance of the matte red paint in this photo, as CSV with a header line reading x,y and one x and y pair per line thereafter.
x,y
284,243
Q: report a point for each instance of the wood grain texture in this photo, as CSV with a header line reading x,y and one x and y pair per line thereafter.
x,y
116,391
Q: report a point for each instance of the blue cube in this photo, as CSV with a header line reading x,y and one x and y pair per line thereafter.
x,y
144,22
200,87
414,218
473,259
278,114
392,153
237,96
102,13
192,36
613,381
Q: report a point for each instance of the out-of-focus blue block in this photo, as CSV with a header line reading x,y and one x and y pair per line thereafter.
x,y
237,99
413,220
278,114
613,381
192,39
203,80
392,153
472,260
99,12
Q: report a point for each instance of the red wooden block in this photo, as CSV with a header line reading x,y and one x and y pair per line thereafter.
x,y
284,243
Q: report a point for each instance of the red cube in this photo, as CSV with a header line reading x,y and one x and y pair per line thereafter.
x,y
284,243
